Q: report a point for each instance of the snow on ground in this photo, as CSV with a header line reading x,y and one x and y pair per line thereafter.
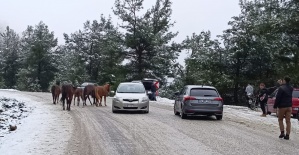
x,y
242,115
164,101
46,130
12,112
8,90
247,115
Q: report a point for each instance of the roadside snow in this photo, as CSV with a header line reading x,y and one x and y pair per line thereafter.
x,y
8,90
164,101
11,113
247,115
46,130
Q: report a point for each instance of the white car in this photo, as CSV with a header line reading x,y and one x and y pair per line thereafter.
x,y
130,96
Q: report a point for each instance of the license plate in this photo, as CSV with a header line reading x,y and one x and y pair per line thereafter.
x,y
204,101
131,105
295,108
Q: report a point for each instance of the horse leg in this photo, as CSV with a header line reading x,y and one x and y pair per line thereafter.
x,y
57,99
89,99
63,104
53,98
100,100
78,99
69,102
105,100
84,100
74,100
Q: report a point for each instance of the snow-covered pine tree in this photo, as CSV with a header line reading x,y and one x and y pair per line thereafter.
x,y
149,50
38,62
9,55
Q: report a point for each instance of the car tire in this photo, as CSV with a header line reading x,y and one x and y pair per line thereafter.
x,y
175,112
269,113
219,117
146,112
183,116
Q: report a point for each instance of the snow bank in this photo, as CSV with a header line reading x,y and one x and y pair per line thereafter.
x,y
46,130
164,101
247,115
8,90
11,113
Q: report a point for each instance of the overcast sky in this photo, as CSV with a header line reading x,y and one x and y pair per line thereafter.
x,y
67,16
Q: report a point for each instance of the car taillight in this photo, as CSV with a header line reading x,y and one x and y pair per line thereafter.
x,y
189,98
218,99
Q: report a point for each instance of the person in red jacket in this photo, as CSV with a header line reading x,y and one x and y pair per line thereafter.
x,y
284,104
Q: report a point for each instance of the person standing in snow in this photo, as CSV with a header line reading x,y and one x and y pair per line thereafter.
x,y
263,98
153,90
284,102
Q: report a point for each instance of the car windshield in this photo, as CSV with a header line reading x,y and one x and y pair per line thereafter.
x,y
131,88
295,94
203,92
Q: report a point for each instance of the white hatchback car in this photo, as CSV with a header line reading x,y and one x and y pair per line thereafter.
x,y
130,96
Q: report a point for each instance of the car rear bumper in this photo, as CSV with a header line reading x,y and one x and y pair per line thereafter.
x,y
119,106
203,111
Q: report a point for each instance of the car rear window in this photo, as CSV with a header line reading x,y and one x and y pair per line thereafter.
x,y
204,92
296,94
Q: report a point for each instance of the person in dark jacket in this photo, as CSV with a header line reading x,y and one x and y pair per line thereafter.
x,y
263,98
153,90
284,103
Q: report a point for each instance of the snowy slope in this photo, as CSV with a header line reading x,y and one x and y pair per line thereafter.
x,y
45,130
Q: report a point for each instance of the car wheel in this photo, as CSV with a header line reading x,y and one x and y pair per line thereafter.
x,y
298,115
183,116
175,112
219,117
146,112
269,113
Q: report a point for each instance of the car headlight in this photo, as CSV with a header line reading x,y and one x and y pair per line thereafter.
x,y
116,99
144,99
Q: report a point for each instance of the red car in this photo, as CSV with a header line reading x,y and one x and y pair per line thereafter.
x,y
295,106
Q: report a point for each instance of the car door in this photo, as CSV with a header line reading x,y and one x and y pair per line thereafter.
x,y
177,100
181,98
271,101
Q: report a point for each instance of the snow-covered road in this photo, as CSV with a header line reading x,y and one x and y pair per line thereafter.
x,y
96,130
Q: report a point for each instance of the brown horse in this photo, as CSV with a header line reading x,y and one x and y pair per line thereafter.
x,y
55,90
67,92
78,94
88,91
102,91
